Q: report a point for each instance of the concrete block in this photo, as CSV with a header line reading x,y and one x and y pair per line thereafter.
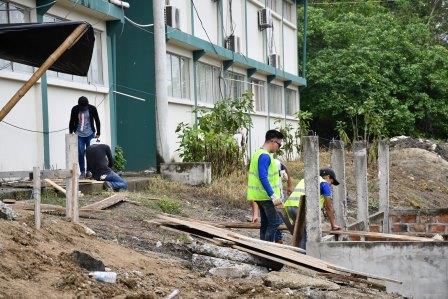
x,y
400,227
409,218
294,281
418,228
442,218
189,173
7,213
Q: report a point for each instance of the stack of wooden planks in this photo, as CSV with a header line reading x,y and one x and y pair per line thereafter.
x,y
286,255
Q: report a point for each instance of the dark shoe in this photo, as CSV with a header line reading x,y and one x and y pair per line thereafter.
x,y
108,186
82,176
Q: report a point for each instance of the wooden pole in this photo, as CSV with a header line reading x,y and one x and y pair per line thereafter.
x,y
36,196
75,186
71,157
55,186
69,41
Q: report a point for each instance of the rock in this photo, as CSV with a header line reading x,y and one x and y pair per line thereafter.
x,y
436,237
293,281
158,244
87,262
228,272
202,262
7,213
87,230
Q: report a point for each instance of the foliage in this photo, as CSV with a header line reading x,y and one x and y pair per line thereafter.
x,y
304,118
169,206
287,130
212,138
120,161
378,67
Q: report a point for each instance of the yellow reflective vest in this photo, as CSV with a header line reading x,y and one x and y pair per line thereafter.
x,y
255,190
294,199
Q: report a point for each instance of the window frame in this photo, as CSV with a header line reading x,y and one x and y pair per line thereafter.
x,y
183,88
275,104
208,95
288,102
258,95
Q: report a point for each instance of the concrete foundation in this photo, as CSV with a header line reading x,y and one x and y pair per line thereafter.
x,y
189,173
421,266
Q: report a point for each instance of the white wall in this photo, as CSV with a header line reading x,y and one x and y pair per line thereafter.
x,y
22,150
291,52
256,46
185,13
208,13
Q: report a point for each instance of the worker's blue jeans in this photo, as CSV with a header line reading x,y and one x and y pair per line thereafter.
x,y
116,181
83,144
270,221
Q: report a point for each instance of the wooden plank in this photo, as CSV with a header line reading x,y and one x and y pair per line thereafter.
x,y
105,203
53,209
55,186
244,225
364,275
379,235
269,250
304,260
36,196
266,256
299,224
352,279
284,246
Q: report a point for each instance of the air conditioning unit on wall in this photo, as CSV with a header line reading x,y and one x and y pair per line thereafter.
x,y
172,16
275,60
264,18
233,43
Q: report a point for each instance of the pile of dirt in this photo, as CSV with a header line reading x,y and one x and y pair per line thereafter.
x,y
437,147
147,260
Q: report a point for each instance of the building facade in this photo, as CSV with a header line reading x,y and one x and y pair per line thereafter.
x,y
33,132
215,49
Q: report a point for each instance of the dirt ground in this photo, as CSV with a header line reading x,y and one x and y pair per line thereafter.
x,y
152,262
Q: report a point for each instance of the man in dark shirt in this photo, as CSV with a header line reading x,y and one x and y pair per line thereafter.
x,y
99,163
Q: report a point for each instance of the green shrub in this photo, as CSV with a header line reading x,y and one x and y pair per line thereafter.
x,y
169,206
120,161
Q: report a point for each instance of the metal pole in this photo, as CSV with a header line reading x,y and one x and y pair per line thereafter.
x,y
160,74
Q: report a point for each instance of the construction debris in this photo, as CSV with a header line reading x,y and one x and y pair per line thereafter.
x,y
268,251
7,213
374,235
226,268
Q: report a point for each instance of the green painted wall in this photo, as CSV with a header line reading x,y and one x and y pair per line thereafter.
x,y
134,75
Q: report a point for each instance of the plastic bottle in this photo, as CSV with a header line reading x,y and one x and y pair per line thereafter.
x,y
102,276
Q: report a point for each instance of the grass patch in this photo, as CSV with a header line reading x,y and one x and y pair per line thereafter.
x,y
169,206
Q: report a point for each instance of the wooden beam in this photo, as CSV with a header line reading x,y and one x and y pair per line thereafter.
x,y
14,174
56,186
69,41
105,203
374,235
243,225
36,196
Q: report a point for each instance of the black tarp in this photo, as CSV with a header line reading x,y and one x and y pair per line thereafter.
x,y
33,43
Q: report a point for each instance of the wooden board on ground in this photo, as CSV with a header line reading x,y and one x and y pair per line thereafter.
x,y
379,235
105,203
268,250
52,209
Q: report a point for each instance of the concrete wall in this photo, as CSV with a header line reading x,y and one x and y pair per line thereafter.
x,y
421,266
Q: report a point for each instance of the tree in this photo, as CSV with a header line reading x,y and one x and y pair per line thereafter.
x,y
375,71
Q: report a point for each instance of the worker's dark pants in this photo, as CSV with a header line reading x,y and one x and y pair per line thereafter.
x,y
83,143
292,213
270,221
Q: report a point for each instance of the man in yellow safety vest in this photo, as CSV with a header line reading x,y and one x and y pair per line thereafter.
x,y
263,186
326,179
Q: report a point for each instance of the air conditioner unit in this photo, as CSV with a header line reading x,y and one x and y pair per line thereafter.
x,y
172,16
274,60
233,43
264,18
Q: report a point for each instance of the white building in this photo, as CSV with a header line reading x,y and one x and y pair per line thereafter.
x,y
201,70
46,107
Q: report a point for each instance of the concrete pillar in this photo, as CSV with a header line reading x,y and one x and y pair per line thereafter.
x,y
383,177
362,196
339,192
161,90
312,191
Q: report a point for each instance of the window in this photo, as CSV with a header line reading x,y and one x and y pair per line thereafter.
x,y
11,13
275,5
257,89
234,86
207,83
178,76
95,73
275,99
288,12
291,102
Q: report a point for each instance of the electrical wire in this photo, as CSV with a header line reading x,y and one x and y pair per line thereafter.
x,y
137,24
202,25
